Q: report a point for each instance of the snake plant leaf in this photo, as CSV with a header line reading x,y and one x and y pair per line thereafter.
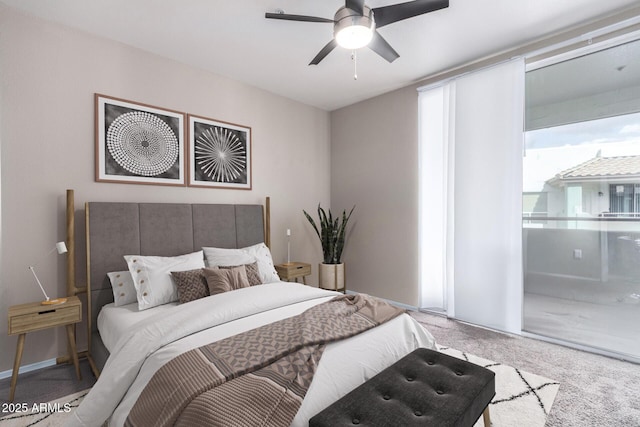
x,y
341,233
315,227
332,232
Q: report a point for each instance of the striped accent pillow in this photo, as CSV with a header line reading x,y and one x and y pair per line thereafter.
x,y
253,273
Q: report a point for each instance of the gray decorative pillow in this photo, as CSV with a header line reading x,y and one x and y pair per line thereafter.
x,y
253,273
226,279
191,284
124,291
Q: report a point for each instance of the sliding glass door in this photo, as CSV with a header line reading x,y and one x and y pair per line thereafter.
x,y
581,201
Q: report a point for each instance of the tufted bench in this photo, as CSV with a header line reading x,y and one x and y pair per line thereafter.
x,y
424,388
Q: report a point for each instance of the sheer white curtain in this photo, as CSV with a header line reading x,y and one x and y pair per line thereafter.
x,y
434,133
471,131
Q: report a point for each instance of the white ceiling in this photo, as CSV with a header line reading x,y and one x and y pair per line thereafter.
x,y
233,39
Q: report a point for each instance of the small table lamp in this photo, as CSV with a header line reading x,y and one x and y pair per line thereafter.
x,y
61,248
288,246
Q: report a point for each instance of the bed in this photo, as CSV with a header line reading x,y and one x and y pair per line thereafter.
x,y
129,346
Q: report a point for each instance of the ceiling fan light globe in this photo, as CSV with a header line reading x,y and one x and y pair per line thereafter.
x,y
354,37
352,30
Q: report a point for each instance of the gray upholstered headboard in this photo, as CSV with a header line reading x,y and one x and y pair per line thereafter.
x,y
161,229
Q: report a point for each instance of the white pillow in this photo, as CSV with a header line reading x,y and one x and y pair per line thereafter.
x,y
265,262
259,253
124,292
152,276
219,257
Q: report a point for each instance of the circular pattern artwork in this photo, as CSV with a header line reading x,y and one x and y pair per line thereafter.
x,y
142,143
221,154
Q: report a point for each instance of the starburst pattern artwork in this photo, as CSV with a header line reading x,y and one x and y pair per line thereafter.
x,y
220,154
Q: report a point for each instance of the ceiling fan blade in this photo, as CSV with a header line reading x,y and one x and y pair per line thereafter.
x,y
386,15
355,5
380,46
324,52
303,18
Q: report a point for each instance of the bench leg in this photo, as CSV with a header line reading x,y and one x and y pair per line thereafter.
x,y
486,418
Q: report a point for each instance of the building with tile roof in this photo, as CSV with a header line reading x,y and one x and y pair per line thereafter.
x,y
622,169
601,186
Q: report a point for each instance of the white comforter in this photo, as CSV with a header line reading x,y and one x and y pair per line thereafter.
x,y
155,341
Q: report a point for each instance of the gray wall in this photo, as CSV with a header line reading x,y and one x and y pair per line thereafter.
x,y
609,264
374,165
550,251
48,75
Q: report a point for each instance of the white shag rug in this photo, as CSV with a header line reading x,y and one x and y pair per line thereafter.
x,y
522,399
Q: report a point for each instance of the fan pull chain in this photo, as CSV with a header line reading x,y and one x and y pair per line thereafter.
x,y
354,58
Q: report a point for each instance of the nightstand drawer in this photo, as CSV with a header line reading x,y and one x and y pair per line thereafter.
x,y
293,270
30,318
299,270
304,271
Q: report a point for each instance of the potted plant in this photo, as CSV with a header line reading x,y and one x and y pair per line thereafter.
x,y
332,238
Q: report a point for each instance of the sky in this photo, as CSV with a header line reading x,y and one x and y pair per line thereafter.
x,y
552,150
616,129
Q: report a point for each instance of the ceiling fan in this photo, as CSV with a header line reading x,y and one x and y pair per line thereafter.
x,y
355,25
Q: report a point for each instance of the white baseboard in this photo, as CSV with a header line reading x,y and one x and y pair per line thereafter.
x,y
29,368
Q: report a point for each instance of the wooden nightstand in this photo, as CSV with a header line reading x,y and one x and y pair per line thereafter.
x,y
293,270
31,317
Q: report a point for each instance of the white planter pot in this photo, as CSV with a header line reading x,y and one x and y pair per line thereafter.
x,y
331,276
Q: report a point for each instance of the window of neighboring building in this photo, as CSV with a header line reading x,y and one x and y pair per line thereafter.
x,y
624,199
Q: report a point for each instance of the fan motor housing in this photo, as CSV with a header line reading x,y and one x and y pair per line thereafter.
x,y
346,17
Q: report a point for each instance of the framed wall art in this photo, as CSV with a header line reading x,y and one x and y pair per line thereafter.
x,y
138,143
219,154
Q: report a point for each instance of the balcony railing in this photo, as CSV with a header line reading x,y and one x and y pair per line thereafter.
x,y
605,216
620,215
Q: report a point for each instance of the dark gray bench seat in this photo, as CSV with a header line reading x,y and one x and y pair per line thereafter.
x,y
424,388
